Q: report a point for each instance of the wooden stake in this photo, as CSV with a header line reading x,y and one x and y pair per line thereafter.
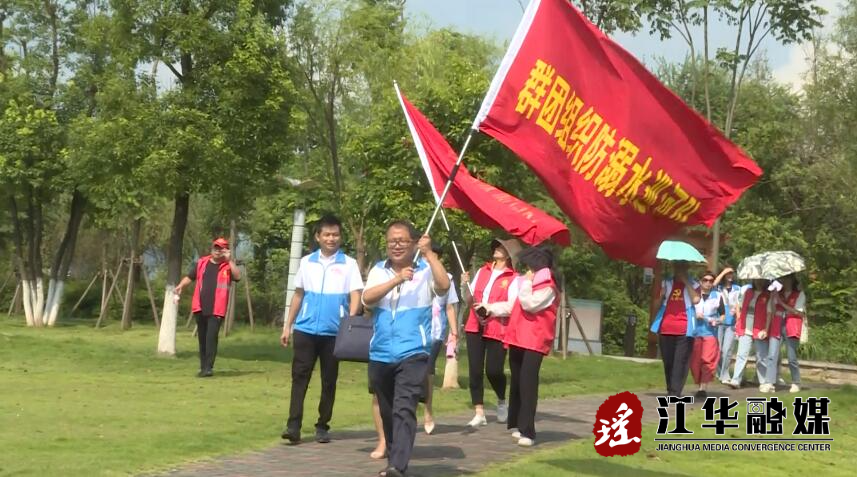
x,y
117,297
151,295
189,318
229,319
14,299
91,282
6,282
109,293
104,278
580,329
246,279
563,332
128,302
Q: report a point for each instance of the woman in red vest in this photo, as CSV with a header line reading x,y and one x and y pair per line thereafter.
x,y
210,297
751,329
790,305
530,336
494,288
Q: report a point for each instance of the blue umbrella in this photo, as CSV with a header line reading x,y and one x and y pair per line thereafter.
x,y
675,251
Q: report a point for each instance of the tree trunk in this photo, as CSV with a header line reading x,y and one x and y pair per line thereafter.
x,y
167,334
22,261
132,262
63,258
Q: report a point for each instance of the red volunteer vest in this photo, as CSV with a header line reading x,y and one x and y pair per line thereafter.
x,y
794,323
760,314
533,331
221,293
494,326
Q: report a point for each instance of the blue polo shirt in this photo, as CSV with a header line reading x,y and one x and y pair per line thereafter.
x,y
403,317
327,283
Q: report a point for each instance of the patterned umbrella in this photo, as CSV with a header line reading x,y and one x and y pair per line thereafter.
x,y
675,251
770,265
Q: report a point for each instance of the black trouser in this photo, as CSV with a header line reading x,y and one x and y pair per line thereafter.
x,y
306,350
207,329
398,387
490,354
524,390
675,353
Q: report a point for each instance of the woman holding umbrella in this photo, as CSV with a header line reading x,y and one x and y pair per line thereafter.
x,y
675,322
751,328
790,303
756,321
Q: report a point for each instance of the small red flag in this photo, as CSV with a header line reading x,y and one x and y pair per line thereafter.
x,y
486,205
620,153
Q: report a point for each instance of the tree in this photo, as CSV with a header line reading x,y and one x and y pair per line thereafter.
x,y
225,61
788,21
33,137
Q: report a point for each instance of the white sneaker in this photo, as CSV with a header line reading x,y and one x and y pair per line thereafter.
x,y
526,442
516,434
478,421
502,412
727,382
781,382
795,388
766,388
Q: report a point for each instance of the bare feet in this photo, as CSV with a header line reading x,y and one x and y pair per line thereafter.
x,y
429,426
379,453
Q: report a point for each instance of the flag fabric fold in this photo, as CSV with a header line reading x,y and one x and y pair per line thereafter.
x,y
620,153
486,205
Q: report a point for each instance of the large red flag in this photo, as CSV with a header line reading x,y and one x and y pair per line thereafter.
x,y
620,153
486,205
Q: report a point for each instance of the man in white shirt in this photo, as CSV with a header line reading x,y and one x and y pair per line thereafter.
x,y
327,286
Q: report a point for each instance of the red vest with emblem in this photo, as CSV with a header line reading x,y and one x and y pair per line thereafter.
x,y
794,322
760,314
495,326
221,292
533,331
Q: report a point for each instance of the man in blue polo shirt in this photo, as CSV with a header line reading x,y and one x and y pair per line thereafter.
x,y
401,295
327,289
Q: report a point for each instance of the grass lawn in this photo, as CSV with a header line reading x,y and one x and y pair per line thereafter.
x,y
580,457
75,401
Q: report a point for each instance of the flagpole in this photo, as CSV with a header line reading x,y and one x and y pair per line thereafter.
x,y
455,249
449,181
439,206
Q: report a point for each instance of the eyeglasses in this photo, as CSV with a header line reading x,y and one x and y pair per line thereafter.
x,y
707,280
399,243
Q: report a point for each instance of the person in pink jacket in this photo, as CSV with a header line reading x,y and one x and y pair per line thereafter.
x,y
529,337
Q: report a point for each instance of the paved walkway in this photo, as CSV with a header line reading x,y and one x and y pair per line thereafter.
x,y
453,449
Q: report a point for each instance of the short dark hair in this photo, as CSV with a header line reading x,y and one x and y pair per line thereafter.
x,y
405,224
328,220
437,249
535,258
709,273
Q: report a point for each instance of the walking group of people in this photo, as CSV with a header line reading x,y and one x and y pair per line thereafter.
x,y
699,322
513,301
411,298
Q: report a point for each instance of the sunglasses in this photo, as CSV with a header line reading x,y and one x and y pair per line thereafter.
x,y
707,280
